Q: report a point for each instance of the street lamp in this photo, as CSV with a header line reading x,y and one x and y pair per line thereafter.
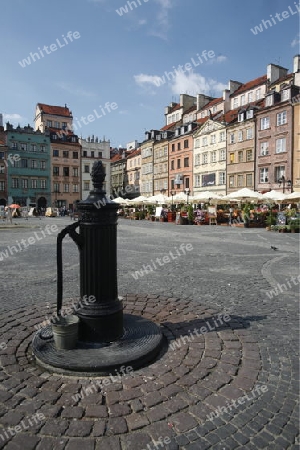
x,y
172,193
284,182
187,191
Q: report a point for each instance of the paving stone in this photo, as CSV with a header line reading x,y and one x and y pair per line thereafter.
x,y
136,421
79,428
72,412
99,411
116,426
23,441
107,443
48,443
55,427
79,444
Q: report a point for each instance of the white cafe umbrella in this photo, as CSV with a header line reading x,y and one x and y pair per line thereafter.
x,y
140,199
180,197
295,197
244,194
275,196
120,200
206,195
159,198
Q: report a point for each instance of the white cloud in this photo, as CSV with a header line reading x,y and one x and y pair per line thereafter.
x,y
143,79
194,83
218,59
162,23
12,117
296,41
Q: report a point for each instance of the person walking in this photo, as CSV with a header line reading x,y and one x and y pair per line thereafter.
x,y
9,215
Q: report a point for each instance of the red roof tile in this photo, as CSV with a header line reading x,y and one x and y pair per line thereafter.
x,y
135,153
282,79
55,110
174,108
250,85
170,126
192,108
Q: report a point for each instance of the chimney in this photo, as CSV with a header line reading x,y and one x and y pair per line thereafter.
x,y
275,72
233,86
296,64
202,100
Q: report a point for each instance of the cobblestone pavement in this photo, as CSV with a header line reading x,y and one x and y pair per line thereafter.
x,y
227,377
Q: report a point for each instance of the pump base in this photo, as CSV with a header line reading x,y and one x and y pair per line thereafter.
x,y
140,344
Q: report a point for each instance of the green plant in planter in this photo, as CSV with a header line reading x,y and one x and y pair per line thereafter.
x,y
270,219
191,216
150,209
142,215
246,214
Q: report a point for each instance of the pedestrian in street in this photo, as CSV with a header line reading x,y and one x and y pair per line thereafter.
x,y
9,216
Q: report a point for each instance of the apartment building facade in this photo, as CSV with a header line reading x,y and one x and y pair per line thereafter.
x,y
3,165
28,166
93,149
133,169
65,154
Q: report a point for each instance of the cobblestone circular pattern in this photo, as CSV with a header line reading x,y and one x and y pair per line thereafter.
x,y
170,398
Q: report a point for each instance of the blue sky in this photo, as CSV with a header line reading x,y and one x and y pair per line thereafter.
x,y
117,56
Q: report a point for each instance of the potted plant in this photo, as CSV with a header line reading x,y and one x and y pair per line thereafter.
x,y
270,220
246,214
191,216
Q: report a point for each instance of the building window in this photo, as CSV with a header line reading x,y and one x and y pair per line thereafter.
x,y
264,175
243,99
34,184
1,155
249,154
240,157
99,154
186,162
172,184
75,155
222,155
66,172
56,153
257,94
64,125
197,180
86,169
49,123
75,171
204,141
249,133
178,163
231,181
75,188
249,179
231,158
24,183
250,97
15,183
264,148
197,160
249,114
56,124
264,123
285,95
172,165
92,154
34,164
280,145
231,138
222,177
42,165
187,182
43,184
178,146
56,187
235,102
279,173
173,147
205,158
240,136
2,185
24,163
213,139
43,148
33,147
240,180
222,136
186,143
66,187
65,154
2,169
55,171
84,153
213,157
197,143
14,145
281,118
24,147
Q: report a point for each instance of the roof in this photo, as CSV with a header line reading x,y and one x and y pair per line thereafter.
x,y
174,108
135,153
170,126
213,102
250,85
55,110
116,158
282,79
192,108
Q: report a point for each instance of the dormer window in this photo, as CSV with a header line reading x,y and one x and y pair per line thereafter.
x,y
285,94
177,132
182,130
269,100
241,117
249,114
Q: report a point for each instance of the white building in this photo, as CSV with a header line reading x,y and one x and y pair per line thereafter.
x,y
92,150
